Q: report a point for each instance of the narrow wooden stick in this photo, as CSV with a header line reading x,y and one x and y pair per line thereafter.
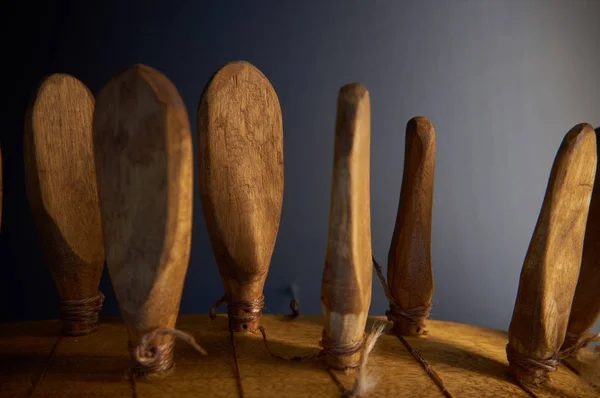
x,y
60,178
410,276
143,149
346,287
240,134
551,267
586,302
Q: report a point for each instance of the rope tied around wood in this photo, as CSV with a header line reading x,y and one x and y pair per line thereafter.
x,y
75,313
239,311
575,342
151,358
415,316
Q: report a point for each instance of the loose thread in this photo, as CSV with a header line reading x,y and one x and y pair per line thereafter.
x,y
574,342
238,376
295,303
415,316
428,369
151,358
364,380
46,366
75,313
316,355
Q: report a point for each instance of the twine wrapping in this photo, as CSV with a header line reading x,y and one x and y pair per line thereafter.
x,y
151,358
530,365
241,311
336,350
75,313
575,342
414,316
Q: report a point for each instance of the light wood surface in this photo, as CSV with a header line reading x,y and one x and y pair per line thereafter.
x,y
346,286
240,135
469,360
551,267
586,302
61,187
143,149
409,261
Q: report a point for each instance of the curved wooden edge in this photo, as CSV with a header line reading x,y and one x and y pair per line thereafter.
x,y
144,157
240,135
410,274
346,285
551,267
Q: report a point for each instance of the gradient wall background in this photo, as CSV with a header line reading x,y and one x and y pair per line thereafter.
x,y
502,81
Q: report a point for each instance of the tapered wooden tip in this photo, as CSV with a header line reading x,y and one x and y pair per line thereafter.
x,y
346,287
143,151
586,302
410,274
60,178
551,267
240,136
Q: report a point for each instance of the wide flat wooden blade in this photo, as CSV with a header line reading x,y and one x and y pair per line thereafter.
x,y
60,178
551,267
346,285
240,138
143,150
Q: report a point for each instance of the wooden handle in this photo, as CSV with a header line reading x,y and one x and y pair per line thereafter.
x,y
551,267
409,260
346,288
586,302
61,187
240,136
143,149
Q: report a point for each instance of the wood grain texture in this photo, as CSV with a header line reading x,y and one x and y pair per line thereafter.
x,y
410,276
61,186
25,350
92,365
469,359
346,286
240,134
586,302
143,150
551,266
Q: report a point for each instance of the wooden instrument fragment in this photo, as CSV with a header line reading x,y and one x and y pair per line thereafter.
x,y
586,302
143,150
346,287
551,267
61,188
410,276
240,136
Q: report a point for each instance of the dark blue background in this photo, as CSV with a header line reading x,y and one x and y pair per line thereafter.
x,y
501,80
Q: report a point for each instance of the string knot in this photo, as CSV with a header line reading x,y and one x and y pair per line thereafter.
x,y
78,313
152,358
531,366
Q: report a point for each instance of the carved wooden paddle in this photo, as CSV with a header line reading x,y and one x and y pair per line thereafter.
x,y
409,260
143,150
551,267
346,287
60,179
586,302
240,136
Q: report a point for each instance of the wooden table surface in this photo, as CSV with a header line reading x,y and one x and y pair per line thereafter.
x,y
470,361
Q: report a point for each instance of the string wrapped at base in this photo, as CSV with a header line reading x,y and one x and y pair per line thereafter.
x,y
81,317
243,314
407,319
158,359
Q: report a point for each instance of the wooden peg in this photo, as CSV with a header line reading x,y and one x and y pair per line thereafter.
x,y
61,188
586,302
346,288
409,260
551,267
240,136
143,149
